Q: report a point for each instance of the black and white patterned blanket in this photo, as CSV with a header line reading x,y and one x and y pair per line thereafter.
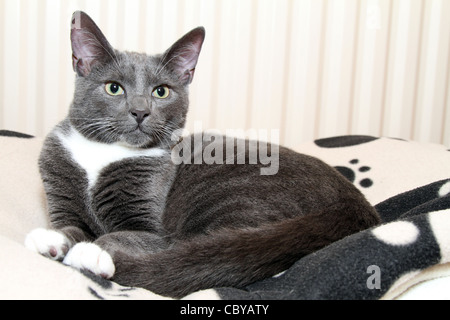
x,y
407,182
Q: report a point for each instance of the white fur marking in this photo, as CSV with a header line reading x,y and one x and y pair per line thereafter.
x,y
94,156
50,243
91,257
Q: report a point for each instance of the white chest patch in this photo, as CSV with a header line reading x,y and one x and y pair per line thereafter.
x,y
94,156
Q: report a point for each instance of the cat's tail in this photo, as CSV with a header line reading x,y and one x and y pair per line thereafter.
x,y
242,256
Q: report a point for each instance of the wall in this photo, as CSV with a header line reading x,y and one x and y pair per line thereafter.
x,y
311,68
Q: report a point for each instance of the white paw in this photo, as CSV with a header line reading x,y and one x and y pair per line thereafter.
x,y
49,243
91,257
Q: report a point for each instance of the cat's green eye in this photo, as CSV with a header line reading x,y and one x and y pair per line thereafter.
x,y
114,89
161,92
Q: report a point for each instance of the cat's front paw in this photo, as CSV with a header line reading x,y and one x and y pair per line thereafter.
x,y
89,256
49,243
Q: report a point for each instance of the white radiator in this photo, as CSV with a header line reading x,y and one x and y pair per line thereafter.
x,y
309,68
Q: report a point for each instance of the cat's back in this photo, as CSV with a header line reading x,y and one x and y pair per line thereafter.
x,y
237,193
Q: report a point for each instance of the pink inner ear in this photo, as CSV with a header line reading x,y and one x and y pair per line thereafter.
x,y
83,43
183,55
85,50
74,62
188,76
83,66
186,61
89,45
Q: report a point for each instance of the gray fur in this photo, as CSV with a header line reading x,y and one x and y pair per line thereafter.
x,y
175,229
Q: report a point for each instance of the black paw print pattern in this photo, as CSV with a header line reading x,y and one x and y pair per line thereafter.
x,y
350,173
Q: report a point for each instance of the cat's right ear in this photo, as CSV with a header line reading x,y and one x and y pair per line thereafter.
x,y
89,45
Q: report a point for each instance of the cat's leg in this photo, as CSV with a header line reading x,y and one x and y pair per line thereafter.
x,y
70,246
50,243
133,242
54,244
89,256
98,256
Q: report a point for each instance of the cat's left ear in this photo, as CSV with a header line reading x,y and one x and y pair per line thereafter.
x,y
182,56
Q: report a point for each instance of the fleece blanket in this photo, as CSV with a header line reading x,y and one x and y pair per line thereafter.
x,y
407,256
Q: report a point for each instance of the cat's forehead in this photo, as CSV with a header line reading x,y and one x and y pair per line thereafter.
x,y
139,68
131,59
132,62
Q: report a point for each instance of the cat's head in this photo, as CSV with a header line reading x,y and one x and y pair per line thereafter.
x,y
130,98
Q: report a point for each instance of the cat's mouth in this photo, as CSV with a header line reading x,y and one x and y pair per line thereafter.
x,y
147,135
140,128
138,136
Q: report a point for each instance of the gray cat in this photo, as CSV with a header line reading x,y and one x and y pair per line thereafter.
x,y
121,208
